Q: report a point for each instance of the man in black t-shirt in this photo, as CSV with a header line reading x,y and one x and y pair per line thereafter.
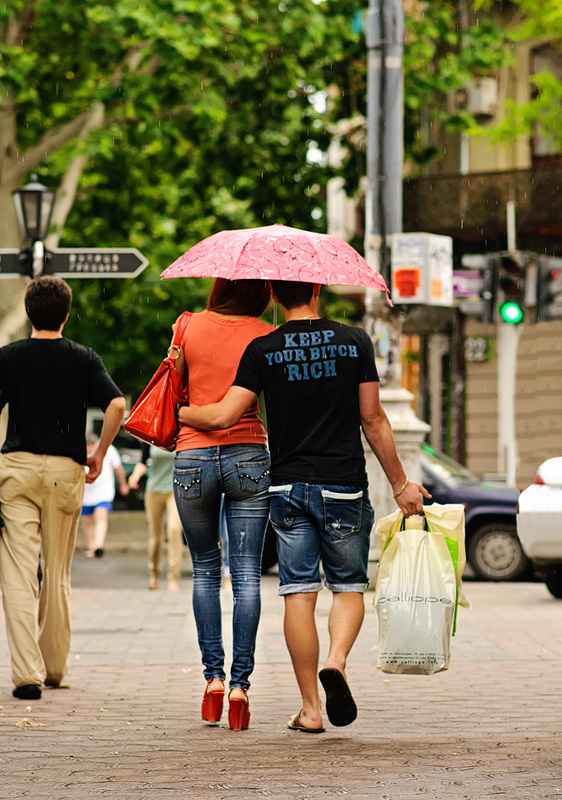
x,y
321,387
48,383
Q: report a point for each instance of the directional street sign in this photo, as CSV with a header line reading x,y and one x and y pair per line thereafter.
x,y
9,263
68,262
80,262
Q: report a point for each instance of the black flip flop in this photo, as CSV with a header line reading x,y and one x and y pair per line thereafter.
x,y
340,705
294,725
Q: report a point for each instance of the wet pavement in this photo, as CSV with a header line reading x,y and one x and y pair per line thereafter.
x,y
129,727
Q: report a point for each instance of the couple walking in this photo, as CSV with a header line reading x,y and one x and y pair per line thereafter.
x,y
320,385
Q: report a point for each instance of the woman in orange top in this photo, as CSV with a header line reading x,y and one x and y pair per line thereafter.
x,y
233,463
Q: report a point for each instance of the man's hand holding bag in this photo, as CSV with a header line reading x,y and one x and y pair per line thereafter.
x,y
418,589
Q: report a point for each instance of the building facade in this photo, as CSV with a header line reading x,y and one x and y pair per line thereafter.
x,y
496,426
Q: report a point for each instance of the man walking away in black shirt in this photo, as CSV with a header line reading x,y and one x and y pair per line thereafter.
x,y
48,383
320,384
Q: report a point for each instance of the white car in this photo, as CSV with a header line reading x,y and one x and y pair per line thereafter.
x,y
539,523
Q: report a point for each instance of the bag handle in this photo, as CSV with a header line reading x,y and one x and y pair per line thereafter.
x,y
178,328
425,525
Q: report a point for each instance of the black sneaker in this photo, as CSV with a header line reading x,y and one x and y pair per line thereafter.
x,y
31,691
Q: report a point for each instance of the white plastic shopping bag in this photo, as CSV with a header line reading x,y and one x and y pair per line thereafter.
x,y
418,589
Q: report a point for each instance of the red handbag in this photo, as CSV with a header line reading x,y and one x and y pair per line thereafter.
x,y
153,417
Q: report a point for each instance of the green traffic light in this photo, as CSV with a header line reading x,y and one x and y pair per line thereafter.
x,y
511,313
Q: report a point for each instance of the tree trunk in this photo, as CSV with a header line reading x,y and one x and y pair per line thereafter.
x,y
12,312
66,193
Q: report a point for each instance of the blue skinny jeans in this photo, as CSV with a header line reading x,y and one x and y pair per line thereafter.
x,y
240,472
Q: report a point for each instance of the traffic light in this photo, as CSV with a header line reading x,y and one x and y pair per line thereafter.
x,y
489,288
549,289
512,276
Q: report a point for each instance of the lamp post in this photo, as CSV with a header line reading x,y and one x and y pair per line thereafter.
x,y
34,207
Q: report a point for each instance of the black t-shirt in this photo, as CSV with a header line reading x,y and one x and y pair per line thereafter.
x,y
49,384
310,371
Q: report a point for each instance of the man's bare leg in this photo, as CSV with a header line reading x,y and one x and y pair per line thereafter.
x,y
344,624
302,641
90,534
101,521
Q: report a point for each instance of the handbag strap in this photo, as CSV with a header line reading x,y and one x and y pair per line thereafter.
x,y
179,328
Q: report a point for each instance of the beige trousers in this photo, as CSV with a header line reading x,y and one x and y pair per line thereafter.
x,y
162,513
40,503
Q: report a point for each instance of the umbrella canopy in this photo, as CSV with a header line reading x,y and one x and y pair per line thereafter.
x,y
276,252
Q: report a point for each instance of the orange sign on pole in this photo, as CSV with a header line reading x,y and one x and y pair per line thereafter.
x,y
407,281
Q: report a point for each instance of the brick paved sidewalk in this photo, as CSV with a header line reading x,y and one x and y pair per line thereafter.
x,y
129,727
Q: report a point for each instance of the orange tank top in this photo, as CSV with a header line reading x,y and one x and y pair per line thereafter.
x,y
213,346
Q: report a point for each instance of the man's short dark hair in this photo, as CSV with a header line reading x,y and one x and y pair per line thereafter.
x,y
292,294
47,302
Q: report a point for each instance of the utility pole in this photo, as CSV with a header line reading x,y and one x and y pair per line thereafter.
x,y
385,134
383,217
508,343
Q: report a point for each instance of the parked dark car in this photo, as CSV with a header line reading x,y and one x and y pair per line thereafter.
x,y
493,549
492,545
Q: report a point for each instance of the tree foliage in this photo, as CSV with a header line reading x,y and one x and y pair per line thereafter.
x,y
162,122
205,104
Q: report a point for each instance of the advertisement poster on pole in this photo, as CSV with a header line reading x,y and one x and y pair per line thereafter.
x,y
422,269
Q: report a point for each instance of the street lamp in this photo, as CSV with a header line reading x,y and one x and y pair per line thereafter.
x,y
34,208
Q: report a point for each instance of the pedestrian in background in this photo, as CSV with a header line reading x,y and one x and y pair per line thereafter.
x,y
48,382
99,495
161,513
233,463
321,386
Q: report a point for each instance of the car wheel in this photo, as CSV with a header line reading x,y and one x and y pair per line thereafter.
x,y
269,557
494,552
553,581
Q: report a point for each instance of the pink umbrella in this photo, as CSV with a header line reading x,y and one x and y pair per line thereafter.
x,y
277,252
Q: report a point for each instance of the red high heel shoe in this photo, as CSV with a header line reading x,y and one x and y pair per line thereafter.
x,y
211,707
238,712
